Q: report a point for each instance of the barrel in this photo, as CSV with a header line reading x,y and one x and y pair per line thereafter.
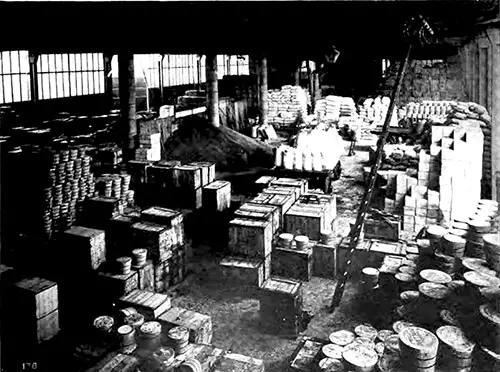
x,y
190,365
124,265
455,350
285,240
425,247
327,237
369,277
407,270
342,337
366,331
492,250
419,348
453,245
405,282
332,351
150,336
445,263
431,301
331,365
301,242
477,264
139,257
434,234
360,358
135,320
178,338
435,276
489,328
126,336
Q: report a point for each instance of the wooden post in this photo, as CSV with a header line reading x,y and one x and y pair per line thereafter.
x,y
108,87
212,90
310,83
494,35
317,84
253,70
263,108
126,77
297,73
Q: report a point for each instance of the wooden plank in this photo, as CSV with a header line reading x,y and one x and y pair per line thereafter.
x,y
151,306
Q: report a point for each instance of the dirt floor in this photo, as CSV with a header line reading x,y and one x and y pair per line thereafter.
x,y
234,311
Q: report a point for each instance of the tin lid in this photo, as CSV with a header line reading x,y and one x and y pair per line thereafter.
x,y
392,343
488,312
400,325
448,317
125,330
493,240
302,239
178,333
366,331
342,337
407,270
363,341
360,355
455,338
332,351
404,278
481,280
135,319
409,296
435,276
434,290
478,264
104,322
384,333
454,239
419,338
151,328
139,251
370,271
436,230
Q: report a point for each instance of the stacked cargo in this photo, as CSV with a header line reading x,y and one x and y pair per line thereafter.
x,y
332,108
425,109
149,147
287,106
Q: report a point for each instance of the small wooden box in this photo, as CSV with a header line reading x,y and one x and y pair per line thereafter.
x,y
35,331
275,190
252,214
388,230
325,260
149,304
277,218
310,221
37,296
158,239
299,184
162,216
99,210
146,276
116,362
243,271
118,285
137,170
292,263
217,196
189,176
284,202
250,238
87,246
237,362
207,171
264,182
199,325
318,197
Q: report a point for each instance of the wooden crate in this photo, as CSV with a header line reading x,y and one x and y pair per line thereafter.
x,y
35,331
158,239
284,202
149,304
275,190
116,362
283,296
162,177
217,196
292,263
325,260
319,197
309,221
386,230
199,325
146,276
236,362
88,247
307,354
263,182
252,214
243,271
207,171
137,170
300,184
162,276
360,258
250,238
277,218
189,176
37,297
117,285
162,216
99,210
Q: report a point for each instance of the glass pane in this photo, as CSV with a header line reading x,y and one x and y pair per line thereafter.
x,y
65,79
90,79
97,83
78,62
7,89
25,87
16,88
46,86
65,62
60,85
84,62
40,86
6,62
53,86
100,60
85,82
14,59
52,62
72,83
78,83
72,64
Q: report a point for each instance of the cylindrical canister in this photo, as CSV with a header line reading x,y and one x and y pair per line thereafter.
x,y
139,257
370,277
126,336
285,240
453,245
124,265
178,338
419,348
301,241
455,349
135,320
150,336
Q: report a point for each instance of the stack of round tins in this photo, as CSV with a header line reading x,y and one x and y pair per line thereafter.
x,y
150,335
332,351
425,247
455,349
342,338
331,365
490,334
477,264
127,335
179,339
445,263
190,365
435,276
285,240
360,358
135,320
492,250
301,242
124,265
419,349
453,245
477,229
405,282
370,277
434,234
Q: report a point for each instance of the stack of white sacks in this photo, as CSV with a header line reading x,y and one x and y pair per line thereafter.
x,y
315,150
149,147
334,107
373,111
287,105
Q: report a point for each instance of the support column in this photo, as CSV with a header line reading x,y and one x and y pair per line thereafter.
x,y
495,112
297,73
108,86
126,76
263,106
212,90
317,84
310,80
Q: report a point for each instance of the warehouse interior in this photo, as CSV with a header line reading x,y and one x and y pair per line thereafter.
x,y
250,186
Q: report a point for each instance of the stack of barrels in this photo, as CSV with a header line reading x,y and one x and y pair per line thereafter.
x,y
478,228
178,339
492,250
419,349
126,334
489,328
455,349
